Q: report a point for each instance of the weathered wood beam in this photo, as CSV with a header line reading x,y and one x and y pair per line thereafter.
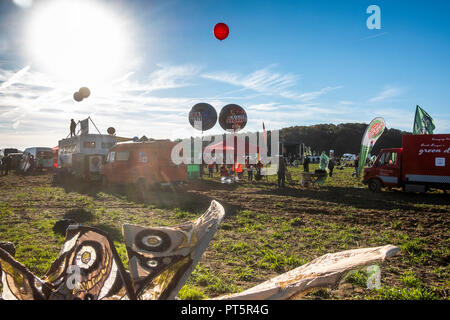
x,y
323,272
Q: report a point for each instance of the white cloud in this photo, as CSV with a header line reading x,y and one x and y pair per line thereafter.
x,y
308,96
263,81
267,82
387,93
14,77
23,3
264,106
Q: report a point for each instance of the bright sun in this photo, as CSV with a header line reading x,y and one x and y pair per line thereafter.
x,y
78,41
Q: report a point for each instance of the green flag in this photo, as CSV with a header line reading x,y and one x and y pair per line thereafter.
x,y
324,159
423,123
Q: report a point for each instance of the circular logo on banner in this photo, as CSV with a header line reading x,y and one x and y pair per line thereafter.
x,y
376,130
232,117
203,116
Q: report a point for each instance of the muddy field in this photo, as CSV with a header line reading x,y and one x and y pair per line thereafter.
x,y
266,231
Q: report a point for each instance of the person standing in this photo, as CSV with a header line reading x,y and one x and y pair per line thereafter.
x,y
32,163
331,166
306,164
1,166
250,172
357,165
281,172
40,163
73,125
7,164
259,166
210,170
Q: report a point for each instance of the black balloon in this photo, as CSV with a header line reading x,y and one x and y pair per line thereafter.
x,y
77,96
203,116
85,92
232,117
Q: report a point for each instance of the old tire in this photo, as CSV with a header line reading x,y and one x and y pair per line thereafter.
x,y
374,185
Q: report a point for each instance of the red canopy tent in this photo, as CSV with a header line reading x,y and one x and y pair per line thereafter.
x,y
224,147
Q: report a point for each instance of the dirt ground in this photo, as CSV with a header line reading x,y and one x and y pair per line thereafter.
x,y
267,230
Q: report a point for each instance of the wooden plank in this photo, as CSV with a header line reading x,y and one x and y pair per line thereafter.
x,y
323,272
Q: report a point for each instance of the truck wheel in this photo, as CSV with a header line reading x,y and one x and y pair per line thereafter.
x,y
374,185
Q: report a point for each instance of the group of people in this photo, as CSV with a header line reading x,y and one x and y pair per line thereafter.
x,y
254,170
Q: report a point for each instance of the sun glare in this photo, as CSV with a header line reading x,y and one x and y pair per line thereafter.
x,y
78,41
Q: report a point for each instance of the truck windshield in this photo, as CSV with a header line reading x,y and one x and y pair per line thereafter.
x,y
388,159
44,155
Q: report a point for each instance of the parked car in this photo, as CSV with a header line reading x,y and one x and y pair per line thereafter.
x,y
6,151
16,158
143,163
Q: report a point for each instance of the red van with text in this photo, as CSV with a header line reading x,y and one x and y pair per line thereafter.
x,y
422,162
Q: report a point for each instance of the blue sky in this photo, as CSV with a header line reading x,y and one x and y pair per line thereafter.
x,y
286,62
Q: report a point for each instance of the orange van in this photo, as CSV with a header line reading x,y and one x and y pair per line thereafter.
x,y
144,163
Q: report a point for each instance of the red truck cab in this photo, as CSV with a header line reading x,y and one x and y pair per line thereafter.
x,y
423,162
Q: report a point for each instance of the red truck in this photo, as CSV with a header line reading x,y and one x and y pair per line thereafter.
x,y
421,163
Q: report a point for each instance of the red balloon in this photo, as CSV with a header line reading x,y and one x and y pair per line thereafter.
x,y
221,31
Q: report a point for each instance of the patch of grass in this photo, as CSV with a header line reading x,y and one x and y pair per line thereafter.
x,y
276,261
37,258
358,278
212,283
296,222
395,293
5,210
239,247
414,246
189,292
122,251
321,293
442,272
410,280
182,214
277,235
396,224
243,273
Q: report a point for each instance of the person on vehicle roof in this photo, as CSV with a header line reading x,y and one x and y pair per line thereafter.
x,y
73,125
